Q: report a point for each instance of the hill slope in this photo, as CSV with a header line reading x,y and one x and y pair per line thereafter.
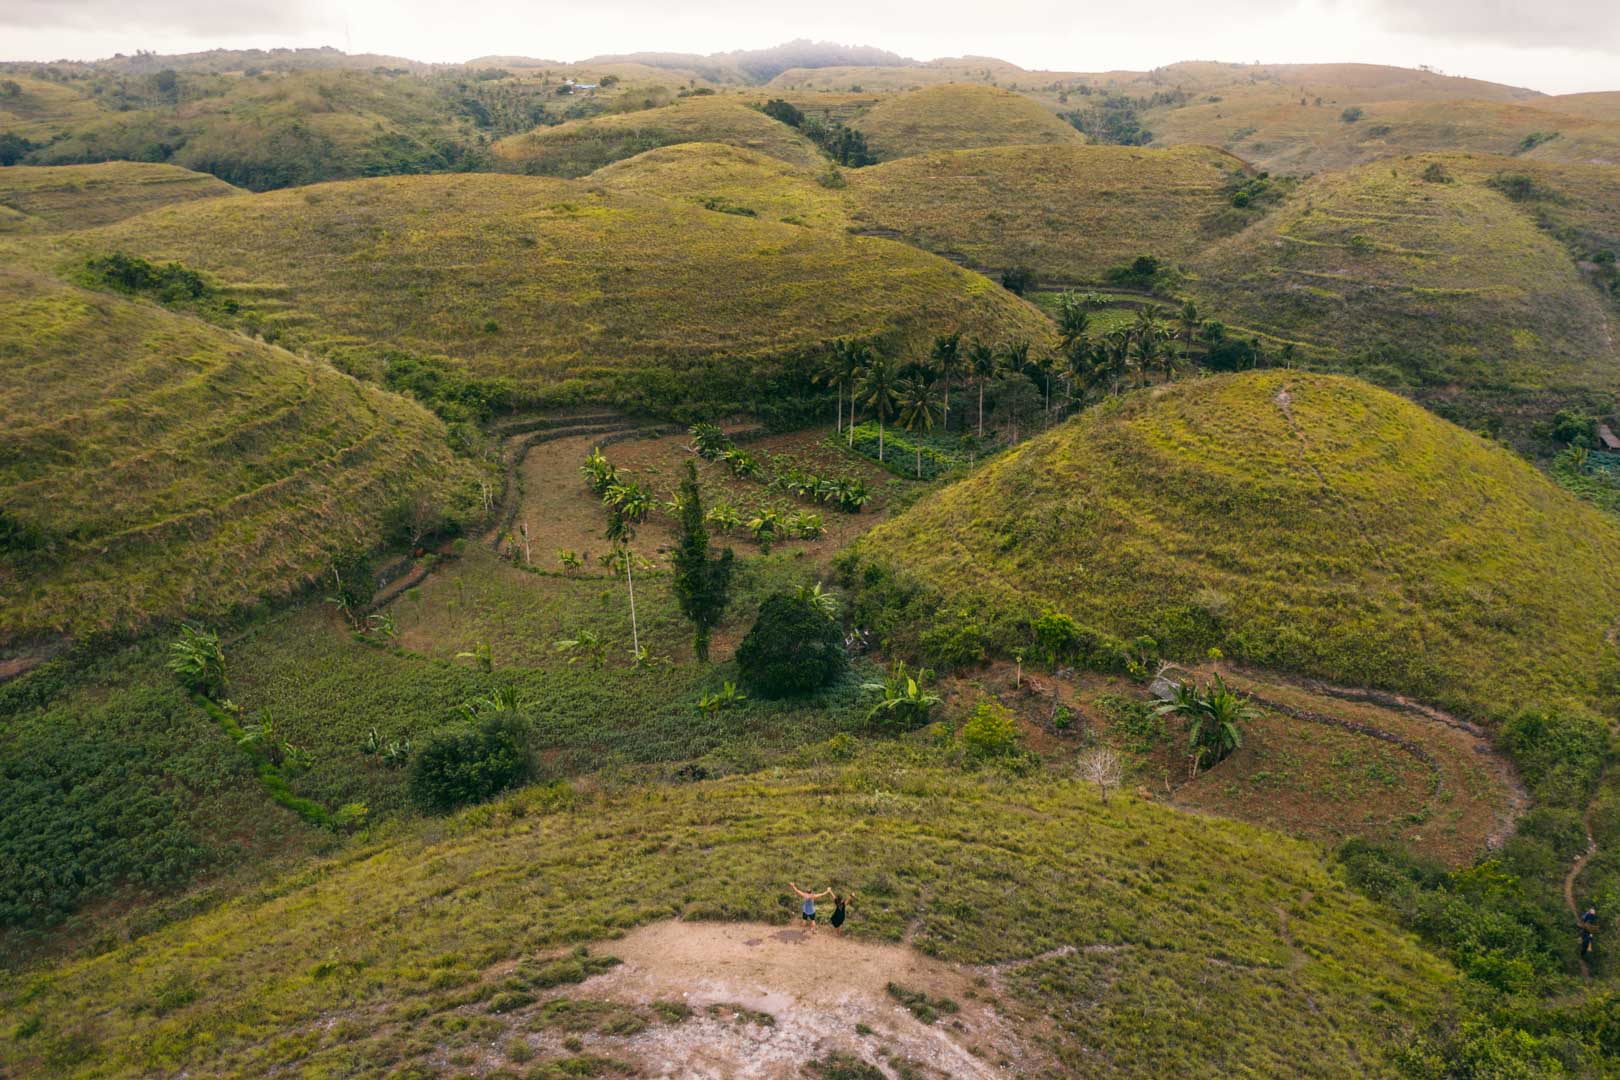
x,y
186,470
440,938
1306,522
1454,284
83,196
1067,212
582,146
959,116
728,179
546,281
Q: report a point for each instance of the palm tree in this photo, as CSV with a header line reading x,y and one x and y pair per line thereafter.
x,y
982,359
1073,319
851,357
830,372
1189,321
877,389
919,402
949,362
1149,332
1115,355
628,506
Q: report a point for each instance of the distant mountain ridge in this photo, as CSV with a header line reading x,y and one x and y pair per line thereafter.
x,y
763,65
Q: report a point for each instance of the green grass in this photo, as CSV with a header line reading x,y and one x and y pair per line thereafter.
x,y
1450,289
729,179
959,116
583,146
1069,213
83,196
406,929
1350,535
560,287
188,471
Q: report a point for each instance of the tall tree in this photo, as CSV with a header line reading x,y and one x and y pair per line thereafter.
x,y
919,404
1073,318
982,359
877,389
830,372
948,362
628,506
702,584
852,357
1189,320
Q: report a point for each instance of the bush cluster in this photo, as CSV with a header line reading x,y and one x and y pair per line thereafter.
x,y
793,648
461,767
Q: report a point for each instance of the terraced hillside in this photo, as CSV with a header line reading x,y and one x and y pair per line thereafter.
x,y
448,940
583,146
562,287
42,109
729,180
1296,521
1452,285
153,466
1067,212
960,116
83,196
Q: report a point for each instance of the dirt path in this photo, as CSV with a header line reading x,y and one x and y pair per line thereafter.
x,y
1575,869
822,995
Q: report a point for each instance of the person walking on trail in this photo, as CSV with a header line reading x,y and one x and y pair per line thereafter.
x,y
1588,927
808,912
841,905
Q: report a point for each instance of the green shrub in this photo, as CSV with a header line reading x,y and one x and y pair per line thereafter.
x,y
458,768
198,662
792,649
990,731
1559,754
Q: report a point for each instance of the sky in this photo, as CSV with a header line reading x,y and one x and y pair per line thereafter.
x,y
1556,46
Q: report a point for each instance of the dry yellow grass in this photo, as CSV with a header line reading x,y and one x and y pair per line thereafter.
x,y
548,281
83,196
1068,212
960,116
729,179
43,109
582,146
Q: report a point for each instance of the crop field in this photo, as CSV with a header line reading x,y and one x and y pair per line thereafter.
x,y
1300,522
583,146
552,285
83,196
959,117
428,923
266,464
729,180
1070,213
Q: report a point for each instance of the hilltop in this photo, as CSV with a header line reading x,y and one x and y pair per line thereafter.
x,y
84,196
1427,273
565,288
1305,522
188,470
447,939
959,116
583,146
1068,212
729,179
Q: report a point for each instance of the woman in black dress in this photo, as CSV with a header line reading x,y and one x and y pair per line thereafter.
x,y
840,912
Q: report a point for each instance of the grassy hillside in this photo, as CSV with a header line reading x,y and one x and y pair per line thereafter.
x,y
186,470
419,933
1306,522
1453,284
42,108
83,196
269,131
959,116
731,180
583,146
552,283
1067,212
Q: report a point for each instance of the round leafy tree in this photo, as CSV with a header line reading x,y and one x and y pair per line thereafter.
x,y
795,647
461,767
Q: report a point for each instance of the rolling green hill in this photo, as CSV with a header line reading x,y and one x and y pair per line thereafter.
x,y
959,116
564,288
438,936
583,146
729,179
1067,212
83,196
1450,288
1297,521
183,470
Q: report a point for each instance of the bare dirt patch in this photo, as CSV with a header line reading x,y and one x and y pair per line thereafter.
x,y
764,1001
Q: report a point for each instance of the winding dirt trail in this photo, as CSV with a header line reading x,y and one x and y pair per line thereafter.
x,y
1575,869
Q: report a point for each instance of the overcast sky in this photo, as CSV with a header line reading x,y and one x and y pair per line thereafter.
x,y
1558,46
